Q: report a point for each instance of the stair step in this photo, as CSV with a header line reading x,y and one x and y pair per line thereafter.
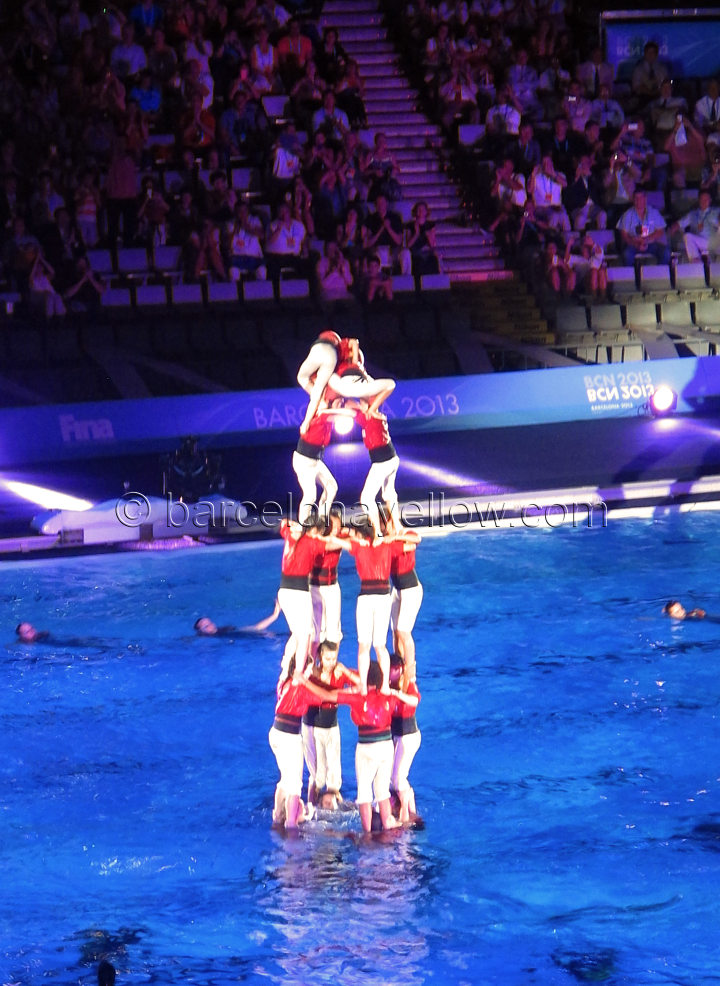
x,y
379,83
457,252
384,75
408,177
374,57
467,277
358,7
359,48
380,99
451,265
394,118
362,33
406,142
351,18
468,238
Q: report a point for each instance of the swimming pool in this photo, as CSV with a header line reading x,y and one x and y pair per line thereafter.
x,y
568,774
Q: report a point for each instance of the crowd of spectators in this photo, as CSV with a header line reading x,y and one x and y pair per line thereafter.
x,y
152,123
573,149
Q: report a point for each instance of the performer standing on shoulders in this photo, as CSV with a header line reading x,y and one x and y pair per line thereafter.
x,y
302,545
307,462
384,464
406,738
406,599
320,731
325,588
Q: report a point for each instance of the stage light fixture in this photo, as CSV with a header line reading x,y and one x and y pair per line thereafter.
x,y
663,401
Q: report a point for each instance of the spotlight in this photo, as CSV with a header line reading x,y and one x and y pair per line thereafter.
x,y
663,401
343,424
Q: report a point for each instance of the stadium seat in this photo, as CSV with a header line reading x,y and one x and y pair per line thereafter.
x,y
243,179
675,315
714,275
100,261
403,284
149,295
690,281
434,282
707,314
275,106
167,260
222,292
572,318
469,134
655,281
255,291
116,298
186,294
643,315
606,318
294,289
132,262
622,283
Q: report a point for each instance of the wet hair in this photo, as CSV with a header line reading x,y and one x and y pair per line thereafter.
x,y
106,973
198,621
669,605
374,675
328,645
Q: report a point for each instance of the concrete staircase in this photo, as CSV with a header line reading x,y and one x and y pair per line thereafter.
x,y
467,254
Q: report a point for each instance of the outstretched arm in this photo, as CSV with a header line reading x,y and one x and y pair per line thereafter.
x,y
263,624
323,694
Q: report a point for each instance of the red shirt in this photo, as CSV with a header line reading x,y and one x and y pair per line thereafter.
x,y
406,711
294,700
325,716
298,556
402,569
374,430
319,431
403,720
371,713
324,571
373,565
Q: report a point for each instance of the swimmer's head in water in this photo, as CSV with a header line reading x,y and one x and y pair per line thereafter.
x,y
328,800
675,610
26,632
205,627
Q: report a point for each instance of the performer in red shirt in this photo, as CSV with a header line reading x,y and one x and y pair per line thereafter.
x,y
307,461
320,731
407,596
372,713
373,556
302,545
293,701
325,588
384,463
406,738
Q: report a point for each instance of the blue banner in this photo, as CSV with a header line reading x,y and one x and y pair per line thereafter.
x,y
495,400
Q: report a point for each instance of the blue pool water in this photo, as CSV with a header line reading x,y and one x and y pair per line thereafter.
x,y
568,776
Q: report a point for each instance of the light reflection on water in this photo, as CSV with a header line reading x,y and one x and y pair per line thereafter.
x,y
568,775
